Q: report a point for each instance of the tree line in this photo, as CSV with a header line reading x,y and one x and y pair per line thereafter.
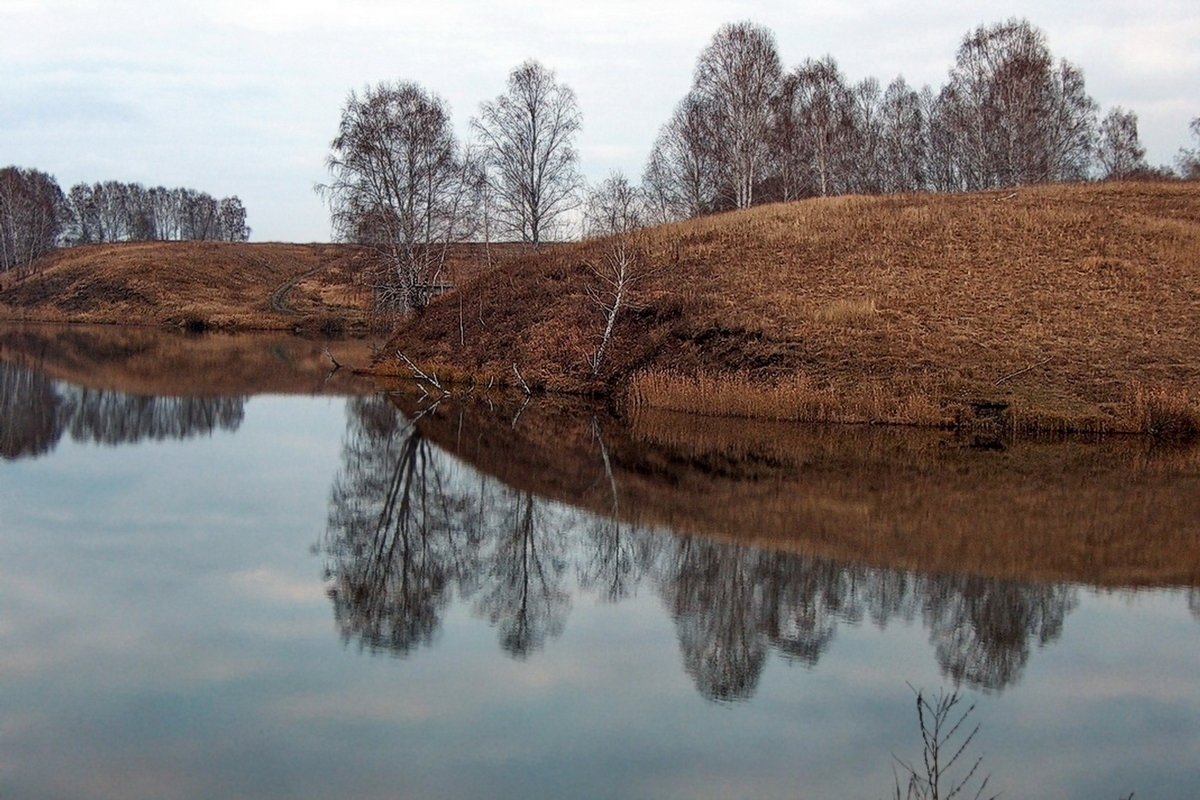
x,y
36,216
1009,114
748,131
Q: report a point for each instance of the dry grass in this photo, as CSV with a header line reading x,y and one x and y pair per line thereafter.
x,y
1056,301
793,398
207,285
1165,413
846,311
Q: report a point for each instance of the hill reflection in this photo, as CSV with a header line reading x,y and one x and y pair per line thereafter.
x,y
412,530
37,411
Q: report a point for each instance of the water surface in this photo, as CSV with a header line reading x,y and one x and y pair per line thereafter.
x,y
276,593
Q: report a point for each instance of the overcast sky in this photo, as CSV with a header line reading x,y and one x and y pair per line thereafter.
x,y
242,96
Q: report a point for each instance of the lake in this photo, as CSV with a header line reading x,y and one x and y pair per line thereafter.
x,y
227,572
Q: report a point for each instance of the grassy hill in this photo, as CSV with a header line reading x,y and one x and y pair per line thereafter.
x,y
192,284
1066,307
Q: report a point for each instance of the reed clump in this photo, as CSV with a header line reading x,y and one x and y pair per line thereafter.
x,y
794,398
1166,413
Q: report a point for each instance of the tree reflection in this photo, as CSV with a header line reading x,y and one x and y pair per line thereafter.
x,y
31,422
981,629
407,529
411,529
36,411
719,612
618,553
394,548
523,590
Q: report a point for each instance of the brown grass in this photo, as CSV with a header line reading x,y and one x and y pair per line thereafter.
x,y
1056,302
212,285
793,398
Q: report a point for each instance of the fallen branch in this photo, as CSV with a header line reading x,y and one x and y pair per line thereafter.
x,y
336,364
524,385
1043,362
421,375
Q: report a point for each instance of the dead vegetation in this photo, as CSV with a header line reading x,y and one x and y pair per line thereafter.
x,y
1046,308
311,288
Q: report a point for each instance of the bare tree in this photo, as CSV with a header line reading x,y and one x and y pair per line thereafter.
x,y
823,108
1013,116
1189,160
903,139
401,185
615,211
32,216
1120,153
737,75
681,174
528,137
232,215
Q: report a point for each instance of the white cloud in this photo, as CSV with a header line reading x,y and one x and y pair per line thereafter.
x,y
243,97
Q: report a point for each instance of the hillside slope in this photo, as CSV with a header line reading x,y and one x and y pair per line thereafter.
x,y
1069,307
196,284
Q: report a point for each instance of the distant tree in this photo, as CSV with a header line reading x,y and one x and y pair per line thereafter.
x,y
1119,152
903,139
681,175
823,109
33,213
400,184
1012,116
528,137
1189,160
737,75
199,212
866,140
232,220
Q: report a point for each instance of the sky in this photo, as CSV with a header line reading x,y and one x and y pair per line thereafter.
x,y
243,96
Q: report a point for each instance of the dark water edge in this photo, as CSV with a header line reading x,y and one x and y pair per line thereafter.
x,y
307,595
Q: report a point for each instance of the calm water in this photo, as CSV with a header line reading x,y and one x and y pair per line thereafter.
x,y
299,595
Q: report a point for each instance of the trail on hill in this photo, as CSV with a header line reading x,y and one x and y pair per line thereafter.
x,y
278,299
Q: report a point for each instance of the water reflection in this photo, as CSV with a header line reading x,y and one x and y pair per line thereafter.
x,y
411,529
36,412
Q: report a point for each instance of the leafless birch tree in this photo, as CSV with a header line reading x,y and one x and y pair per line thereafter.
x,y
32,213
1119,152
680,178
528,139
1015,116
1189,160
737,75
615,211
401,185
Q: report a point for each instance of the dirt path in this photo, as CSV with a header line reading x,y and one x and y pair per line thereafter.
x,y
278,299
